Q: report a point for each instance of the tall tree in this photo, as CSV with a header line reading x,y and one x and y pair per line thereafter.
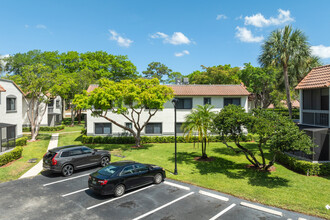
x,y
275,132
159,71
261,82
37,82
285,47
216,75
128,98
200,120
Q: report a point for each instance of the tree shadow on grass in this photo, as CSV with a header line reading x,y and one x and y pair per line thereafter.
x,y
79,138
231,169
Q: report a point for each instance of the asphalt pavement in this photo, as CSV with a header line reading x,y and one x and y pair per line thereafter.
x,y
50,196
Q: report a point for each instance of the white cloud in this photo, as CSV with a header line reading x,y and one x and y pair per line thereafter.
x,y
123,42
258,20
26,26
176,39
321,51
41,26
180,54
246,35
239,18
221,16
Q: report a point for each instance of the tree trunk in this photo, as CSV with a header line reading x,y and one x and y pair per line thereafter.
x,y
79,116
137,139
204,155
63,109
287,88
73,114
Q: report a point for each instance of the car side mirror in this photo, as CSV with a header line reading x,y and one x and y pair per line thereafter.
x,y
94,151
150,167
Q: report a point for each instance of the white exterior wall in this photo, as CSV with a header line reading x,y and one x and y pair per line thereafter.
x,y
11,117
44,121
165,116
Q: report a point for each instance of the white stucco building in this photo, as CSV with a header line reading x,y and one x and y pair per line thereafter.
x,y
52,116
11,97
162,123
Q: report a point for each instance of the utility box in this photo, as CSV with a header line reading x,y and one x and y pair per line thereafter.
x,y
320,137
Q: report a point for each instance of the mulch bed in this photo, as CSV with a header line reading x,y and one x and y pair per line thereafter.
x,y
209,159
140,146
33,141
271,169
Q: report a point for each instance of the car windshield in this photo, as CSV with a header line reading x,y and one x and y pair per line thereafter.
x,y
108,170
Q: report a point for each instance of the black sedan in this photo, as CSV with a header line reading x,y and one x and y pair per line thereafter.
x,y
120,176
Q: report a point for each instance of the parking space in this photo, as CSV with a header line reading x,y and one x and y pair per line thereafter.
x,y
69,198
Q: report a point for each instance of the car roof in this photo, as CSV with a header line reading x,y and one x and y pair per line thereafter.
x,y
123,163
57,149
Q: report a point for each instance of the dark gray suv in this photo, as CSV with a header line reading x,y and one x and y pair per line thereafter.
x,y
66,159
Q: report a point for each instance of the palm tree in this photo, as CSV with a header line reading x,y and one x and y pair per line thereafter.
x,y
199,120
285,47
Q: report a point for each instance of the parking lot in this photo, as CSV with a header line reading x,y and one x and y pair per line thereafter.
x,y
56,197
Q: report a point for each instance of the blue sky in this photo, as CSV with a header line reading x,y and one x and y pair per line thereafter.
x,y
181,34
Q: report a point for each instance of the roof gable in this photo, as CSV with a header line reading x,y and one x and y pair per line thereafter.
x,y
201,90
317,78
10,81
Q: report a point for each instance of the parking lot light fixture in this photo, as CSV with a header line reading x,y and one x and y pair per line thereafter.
x,y
174,102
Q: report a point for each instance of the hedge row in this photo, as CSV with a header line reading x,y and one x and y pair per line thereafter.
x,y
46,128
10,156
303,167
21,141
285,112
149,139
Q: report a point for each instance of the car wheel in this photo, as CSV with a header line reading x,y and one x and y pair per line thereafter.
x,y
67,170
119,190
105,161
158,178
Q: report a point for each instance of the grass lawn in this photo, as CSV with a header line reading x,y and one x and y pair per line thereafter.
x,y
228,173
17,168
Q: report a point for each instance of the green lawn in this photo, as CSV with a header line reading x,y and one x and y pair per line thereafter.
x,y
32,150
228,173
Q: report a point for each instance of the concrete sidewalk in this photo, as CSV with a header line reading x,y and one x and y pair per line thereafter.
x,y
38,168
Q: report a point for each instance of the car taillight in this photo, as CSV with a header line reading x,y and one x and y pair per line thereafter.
x,y
54,162
102,182
45,154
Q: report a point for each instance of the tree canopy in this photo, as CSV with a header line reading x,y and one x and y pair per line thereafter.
x,y
284,48
161,72
215,75
273,130
128,98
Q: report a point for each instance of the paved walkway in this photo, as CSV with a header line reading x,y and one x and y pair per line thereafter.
x,y
38,168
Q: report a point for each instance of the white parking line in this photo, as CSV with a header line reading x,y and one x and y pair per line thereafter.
x,y
94,206
213,195
223,211
163,206
47,184
260,208
177,185
74,192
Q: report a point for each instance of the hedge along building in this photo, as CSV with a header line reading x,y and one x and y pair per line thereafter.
x,y
11,99
314,110
162,123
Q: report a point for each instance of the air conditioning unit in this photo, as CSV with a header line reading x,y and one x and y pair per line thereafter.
x,y
185,80
178,81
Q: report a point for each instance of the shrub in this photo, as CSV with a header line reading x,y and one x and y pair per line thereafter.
x,y
21,141
303,167
83,131
10,156
46,128
145,139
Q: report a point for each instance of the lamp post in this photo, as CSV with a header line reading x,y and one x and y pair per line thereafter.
x,y
174,102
